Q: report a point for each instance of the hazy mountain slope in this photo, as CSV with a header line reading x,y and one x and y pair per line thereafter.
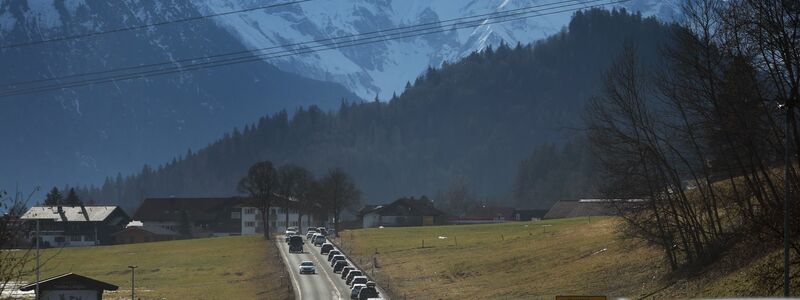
x,y
385,67
476,119
82,135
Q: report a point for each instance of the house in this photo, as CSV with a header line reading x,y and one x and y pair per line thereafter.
x,y
588,207
485,214
70,286
137,232
401,212
76,226
529,214
219,216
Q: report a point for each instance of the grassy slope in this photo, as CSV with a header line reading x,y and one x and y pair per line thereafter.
x,y
212,268
519,260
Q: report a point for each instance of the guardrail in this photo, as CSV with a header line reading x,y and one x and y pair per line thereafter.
x,y
388,291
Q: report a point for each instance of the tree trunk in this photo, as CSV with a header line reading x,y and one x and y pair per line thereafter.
x,y
265,220
299,222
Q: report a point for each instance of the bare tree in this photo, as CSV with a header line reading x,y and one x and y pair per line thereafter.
x,y
294,186
260,185
16,253
338,192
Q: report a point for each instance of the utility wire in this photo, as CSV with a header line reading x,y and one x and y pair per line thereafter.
x,y
278,54
139,27
250,51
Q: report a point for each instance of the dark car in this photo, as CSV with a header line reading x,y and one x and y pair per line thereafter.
x,y
347,270
349,279
333,253
339,265
327,247
296,244
368,292
335,259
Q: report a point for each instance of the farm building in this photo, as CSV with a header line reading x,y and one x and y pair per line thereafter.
x,y
402,212
76,226
587,207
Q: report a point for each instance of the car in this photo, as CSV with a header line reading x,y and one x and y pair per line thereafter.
x,y
367,293
319,240
289,231
322,231
333,253
358,279
311,230
295,244
289,234
307,267
339,265
326,248
347,270
309,235
349,279
336,258
355,290
292,228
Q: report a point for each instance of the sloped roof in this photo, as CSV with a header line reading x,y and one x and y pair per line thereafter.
x,y
406,207
157,230
94,213
71,279
580,208
166,209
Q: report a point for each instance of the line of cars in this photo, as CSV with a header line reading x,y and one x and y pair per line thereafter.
x,y
361,288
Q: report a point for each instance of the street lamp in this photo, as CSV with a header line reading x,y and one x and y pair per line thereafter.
x,y
133,281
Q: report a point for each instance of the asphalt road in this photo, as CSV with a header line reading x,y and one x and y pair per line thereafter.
x,y
323,285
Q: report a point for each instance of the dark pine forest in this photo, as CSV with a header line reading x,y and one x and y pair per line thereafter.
x,y
505,120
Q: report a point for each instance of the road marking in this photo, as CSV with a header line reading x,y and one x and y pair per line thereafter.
x,y
295,282
336,293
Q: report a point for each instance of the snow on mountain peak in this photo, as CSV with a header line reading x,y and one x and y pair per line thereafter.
x,y
383,68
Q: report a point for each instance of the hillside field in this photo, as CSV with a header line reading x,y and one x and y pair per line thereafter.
x,y
531,260
243,267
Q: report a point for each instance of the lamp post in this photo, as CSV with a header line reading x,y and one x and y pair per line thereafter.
x,y
787,193
133,281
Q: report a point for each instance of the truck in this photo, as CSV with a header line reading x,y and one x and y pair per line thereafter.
x,y
296,244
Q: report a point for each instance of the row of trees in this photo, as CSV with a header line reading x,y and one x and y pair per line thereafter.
x,y
54,197
294,186
699,134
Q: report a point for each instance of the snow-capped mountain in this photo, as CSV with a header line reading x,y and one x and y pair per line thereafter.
x,y
84,134
383,68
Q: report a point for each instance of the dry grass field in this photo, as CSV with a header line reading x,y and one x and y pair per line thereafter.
x,y
212,268
529,260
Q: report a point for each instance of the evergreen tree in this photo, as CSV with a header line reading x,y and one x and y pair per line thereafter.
x,y
72,198
54,197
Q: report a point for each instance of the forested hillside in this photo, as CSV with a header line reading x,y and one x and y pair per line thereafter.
x,y
476,119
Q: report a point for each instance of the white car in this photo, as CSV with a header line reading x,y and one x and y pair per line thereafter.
x,y
307,267
318,240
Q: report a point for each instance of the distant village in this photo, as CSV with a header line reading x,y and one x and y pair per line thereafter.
x,y
163,219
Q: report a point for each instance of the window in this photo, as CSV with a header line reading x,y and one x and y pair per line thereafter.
x,y
75,238
249,211
249,224
236,215
59,239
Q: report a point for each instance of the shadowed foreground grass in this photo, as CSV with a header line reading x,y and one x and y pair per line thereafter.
x,y
211,268
583,256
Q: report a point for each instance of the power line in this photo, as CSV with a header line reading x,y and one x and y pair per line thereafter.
x,y
250,51
139,27
284,53
251,57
